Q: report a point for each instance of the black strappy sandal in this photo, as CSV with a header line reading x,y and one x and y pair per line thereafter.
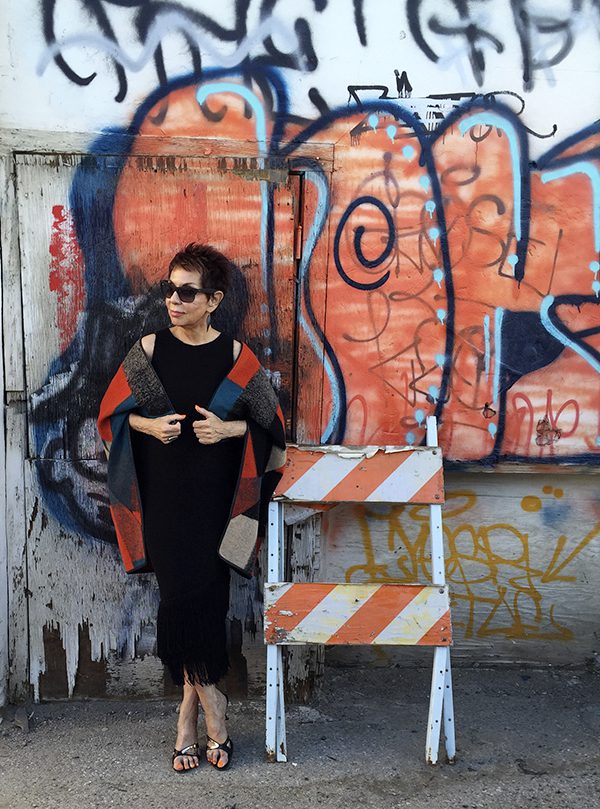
x,y
184,752
226,747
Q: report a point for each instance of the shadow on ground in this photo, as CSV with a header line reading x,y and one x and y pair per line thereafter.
x,y
525,739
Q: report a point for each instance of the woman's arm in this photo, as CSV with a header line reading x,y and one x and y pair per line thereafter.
x,y
234,429
148,341
164,428
210,429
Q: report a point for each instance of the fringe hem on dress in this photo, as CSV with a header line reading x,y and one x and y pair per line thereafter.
x,y
191,638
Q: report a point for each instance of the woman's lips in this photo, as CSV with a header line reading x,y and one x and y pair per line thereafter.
x,y
174,313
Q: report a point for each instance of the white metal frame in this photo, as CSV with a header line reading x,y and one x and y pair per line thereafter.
x,y
441,708
441,702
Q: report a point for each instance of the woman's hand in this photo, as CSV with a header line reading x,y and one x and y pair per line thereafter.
x,y
164,428
211,429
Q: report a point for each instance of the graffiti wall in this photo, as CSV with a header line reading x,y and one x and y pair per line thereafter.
x,y
412,200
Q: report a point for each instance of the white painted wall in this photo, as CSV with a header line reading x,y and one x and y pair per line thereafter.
x,y
37,95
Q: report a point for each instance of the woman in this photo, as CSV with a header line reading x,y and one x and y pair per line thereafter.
x,y
196,443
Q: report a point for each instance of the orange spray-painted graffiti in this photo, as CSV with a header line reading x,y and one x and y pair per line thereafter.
x,y
448,264
437,271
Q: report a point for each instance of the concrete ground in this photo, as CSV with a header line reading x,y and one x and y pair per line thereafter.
x,y
526,738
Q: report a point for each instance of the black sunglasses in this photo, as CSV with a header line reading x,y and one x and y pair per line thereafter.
x,y
186,294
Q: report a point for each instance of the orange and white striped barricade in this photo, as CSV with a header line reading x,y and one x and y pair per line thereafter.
x,y
377,614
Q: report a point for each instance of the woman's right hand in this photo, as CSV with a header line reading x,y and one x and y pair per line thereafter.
x,y
164,428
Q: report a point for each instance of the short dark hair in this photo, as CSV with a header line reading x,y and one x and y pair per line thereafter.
x,y
213,267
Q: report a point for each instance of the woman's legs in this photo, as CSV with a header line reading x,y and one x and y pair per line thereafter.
x,y
187,728
214,703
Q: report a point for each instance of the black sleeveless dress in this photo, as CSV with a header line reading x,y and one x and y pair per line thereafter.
x,y
187,489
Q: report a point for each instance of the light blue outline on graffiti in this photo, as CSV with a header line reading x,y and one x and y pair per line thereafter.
x,y
316,227
561,336
498,316
486,338
491,119
582,167
261,137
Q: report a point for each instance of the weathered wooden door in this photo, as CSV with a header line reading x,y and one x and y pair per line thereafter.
x,y
96,234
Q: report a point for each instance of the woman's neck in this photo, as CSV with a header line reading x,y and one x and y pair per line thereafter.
x,y
195,335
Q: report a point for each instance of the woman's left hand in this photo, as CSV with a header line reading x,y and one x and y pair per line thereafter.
x,y
210,429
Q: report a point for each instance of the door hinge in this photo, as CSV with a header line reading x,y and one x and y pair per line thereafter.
x,y
12,397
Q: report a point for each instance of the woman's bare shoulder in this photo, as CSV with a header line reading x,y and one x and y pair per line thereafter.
x,y
148,341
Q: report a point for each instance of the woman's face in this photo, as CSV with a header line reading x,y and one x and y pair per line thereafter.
x,y
194,313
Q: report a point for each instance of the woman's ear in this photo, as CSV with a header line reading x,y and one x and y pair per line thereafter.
x,y
215,299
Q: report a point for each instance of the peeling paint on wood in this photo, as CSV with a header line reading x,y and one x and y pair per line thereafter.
x,y
18,673
4,213
75,581
13,574
304,664
91,675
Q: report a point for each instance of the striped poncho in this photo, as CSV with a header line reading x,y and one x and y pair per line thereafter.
x,y
245,393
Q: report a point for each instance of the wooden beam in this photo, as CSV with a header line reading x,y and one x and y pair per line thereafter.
x,y
39,141
13,572
3,536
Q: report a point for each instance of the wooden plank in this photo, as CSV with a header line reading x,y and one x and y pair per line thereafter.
x,y
75,579
246,650
13,572
304,664
43,184
4,174
357,614
362,474
16,562
44,142
12,320
519,468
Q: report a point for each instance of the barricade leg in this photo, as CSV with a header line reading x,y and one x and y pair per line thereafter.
x,y
272,702
449,731
436,702
281,735
276,746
